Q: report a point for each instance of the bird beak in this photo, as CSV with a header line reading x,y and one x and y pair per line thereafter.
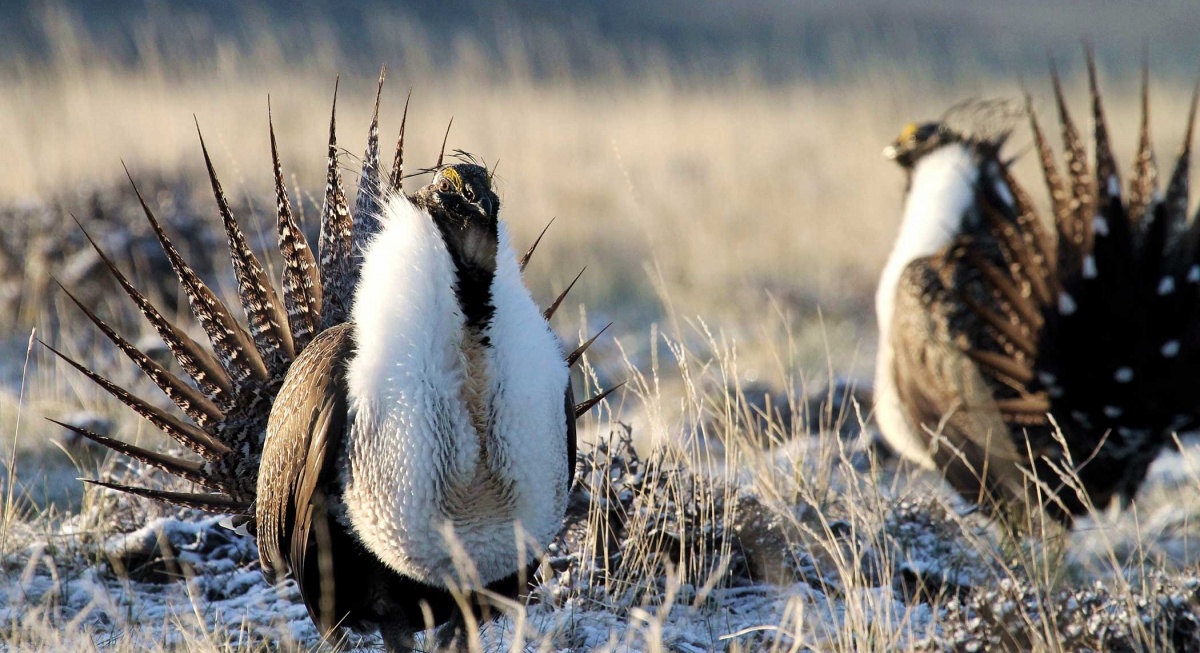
x,y
891,152
485,206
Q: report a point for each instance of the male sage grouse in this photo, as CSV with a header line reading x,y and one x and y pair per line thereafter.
x,y
1036,365
405,398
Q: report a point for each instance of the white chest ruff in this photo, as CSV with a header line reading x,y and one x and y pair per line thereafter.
x,y
423,485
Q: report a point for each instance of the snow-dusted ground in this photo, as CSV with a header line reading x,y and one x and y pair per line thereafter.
x,y
903,571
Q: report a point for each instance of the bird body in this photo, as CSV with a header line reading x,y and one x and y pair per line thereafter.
x,y
1037,366
451,425
940,196
399,430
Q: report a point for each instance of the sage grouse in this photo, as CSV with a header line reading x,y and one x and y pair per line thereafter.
x,y
405,398
1036,365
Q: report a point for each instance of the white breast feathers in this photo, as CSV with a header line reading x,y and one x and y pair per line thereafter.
x,y
942,191
417,465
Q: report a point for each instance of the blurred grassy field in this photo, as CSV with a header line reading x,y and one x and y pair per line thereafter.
x,y
727,194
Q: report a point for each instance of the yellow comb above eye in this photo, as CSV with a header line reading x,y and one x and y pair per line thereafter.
x,y
452,175
908,132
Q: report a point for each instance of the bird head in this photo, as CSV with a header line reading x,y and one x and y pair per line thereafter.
x,y
982,126
918,139
465,209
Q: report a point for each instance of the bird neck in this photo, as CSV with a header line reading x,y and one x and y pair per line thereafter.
x,y
415,307
473,252
941,192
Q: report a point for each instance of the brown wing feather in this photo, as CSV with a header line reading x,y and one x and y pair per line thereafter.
x,y
944,391
306,426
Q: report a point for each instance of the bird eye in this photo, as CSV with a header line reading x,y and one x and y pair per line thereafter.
x,y
444,186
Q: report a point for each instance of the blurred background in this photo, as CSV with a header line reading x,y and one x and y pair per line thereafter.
x,y
715,166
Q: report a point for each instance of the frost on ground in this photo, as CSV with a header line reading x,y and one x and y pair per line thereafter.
x,y
655,556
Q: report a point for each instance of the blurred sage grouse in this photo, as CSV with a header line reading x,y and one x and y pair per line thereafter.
x,y
1034,364
401,398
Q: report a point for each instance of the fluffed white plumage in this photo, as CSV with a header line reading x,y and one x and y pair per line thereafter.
x,y
941,193
415,460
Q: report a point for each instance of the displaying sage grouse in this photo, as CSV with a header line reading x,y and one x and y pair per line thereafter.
x,y
404,394
1011,351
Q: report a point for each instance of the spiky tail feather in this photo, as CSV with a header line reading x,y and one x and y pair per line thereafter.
x,y
236,383
1101,329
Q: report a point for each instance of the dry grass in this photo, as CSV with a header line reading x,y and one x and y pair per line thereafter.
x,y
764,208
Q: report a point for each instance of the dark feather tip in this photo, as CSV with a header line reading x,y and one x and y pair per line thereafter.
x,y
529,252
579,351
553,308
584,407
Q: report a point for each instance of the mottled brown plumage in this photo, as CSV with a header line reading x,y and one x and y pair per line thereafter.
x,y
1006,342
310,414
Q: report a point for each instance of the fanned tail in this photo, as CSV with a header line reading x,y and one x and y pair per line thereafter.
x,y
1101,330
264,313
199,364
233,346
234,382
194,403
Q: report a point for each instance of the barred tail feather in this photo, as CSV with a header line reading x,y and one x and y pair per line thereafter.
x,y
587,405
190,400
529,252
194,359
337,231
188,470
301,278
1059,199
397,177
1074,223
1175,203
553,308
207,502
234,347
1108,186
1143,180
574,356
264,313
367,205
190,436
